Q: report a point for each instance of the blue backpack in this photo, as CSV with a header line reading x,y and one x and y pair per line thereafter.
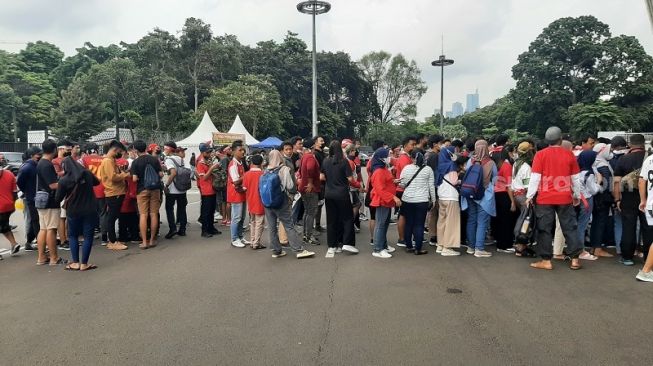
x,y
270,189
472,185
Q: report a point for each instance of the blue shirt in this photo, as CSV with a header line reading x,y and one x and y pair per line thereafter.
x,y
26,180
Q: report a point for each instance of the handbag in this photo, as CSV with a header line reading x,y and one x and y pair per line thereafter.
x,y
41,198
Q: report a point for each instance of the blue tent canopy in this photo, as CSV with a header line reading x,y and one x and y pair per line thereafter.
x,y
269,143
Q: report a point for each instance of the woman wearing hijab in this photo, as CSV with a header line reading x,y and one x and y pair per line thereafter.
x,y
590,186
503,224
521,175
76,187
418,182
449,203
283,214
602,201
339,209
384,199
480,211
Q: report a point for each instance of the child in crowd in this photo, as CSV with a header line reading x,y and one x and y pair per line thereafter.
x,y
254,204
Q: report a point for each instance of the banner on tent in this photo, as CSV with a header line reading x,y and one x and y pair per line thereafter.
x,y
222,138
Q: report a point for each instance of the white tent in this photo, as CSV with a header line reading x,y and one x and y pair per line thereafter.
x,y
203,133
238,127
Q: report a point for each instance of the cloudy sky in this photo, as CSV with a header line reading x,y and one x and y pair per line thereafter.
x,y
483,36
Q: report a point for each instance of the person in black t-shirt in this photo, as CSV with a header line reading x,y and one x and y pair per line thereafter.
x,y
626,196
431,159
149,200
49,215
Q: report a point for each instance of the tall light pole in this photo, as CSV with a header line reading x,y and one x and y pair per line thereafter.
x,y
314,8
442,62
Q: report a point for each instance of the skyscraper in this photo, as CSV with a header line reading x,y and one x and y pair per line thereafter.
x,y
472,102
457,109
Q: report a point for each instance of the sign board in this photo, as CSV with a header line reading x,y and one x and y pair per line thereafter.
x,y
222,138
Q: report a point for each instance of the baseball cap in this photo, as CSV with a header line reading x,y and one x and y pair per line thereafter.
x,y
152,147
345,143
171,144
524,147
34,150
204,147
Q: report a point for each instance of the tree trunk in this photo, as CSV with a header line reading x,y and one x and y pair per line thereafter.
x,y
156,113
115,119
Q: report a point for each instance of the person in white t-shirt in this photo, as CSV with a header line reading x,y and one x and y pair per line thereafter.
x,y
448,181
173,160
646,206
521,175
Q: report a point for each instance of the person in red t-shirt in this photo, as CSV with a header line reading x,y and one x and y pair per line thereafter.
x,y
236,194
383,192
503,224
555,179
400,163
309,187
205,167
91,160
8,196
254,203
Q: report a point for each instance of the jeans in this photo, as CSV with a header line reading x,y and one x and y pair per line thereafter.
x,y
618,229
81,225
237,220
546,215
182,201
584,215
32,226
298,212
340,222
477,223
207,207
415,216
113,211
283,214
311,201
381,228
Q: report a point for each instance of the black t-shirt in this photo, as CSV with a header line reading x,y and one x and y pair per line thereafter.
x,y
630,162
432,161
138,168
46,175
337,182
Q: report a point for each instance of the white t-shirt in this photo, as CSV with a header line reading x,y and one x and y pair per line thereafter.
x,y
446,192
521,178
647,174
171,165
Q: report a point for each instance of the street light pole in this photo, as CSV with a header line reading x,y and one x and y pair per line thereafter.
x,y
442,61
314,7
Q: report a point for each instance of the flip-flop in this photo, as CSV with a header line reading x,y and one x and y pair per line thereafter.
x,y
575,267
143,246
89,268
59,261
42,263
69,268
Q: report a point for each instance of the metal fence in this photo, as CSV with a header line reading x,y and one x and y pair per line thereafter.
x,y
15,146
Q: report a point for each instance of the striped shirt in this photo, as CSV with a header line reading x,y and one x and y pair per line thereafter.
x,y
422,188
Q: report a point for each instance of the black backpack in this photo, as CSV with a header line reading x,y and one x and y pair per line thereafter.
x,y
151,179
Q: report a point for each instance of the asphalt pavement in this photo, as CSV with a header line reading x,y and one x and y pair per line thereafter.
x,y
195,301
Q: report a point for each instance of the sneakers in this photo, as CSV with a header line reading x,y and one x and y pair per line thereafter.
x,y
470,250
482,254
15,249
390,249
350,249
311,240
446,252
245,241
439,249
338,250
217,217
171,234
401,244
586,256
644,276
207,235
331,252
382,254
372,242
507,251
64,245
626,262
433,243
305,254
237,243
116,246
279,255
29,247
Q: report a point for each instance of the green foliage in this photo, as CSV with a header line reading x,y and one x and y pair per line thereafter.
x,y
78,115
40,57
592,118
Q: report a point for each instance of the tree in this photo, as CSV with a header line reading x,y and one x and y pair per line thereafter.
x,y
78,116
195,37
41,57
37,98
9,104
396,82
592,118
254,98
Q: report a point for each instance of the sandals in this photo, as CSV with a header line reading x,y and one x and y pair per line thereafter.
x,y
575,267
59,261
88,268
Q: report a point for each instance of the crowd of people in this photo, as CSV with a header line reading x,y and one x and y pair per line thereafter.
x,y
550,198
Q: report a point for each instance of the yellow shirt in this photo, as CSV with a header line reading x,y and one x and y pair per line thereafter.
x,y
112,179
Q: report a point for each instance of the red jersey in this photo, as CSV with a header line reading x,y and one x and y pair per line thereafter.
x,y
399,164
129,203
57,166
92,163
504,178
235,173
309,168
250,183
557,166
383,188
7,190
205,186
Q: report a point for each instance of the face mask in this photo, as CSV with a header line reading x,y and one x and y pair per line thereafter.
x,y
67,154
118,155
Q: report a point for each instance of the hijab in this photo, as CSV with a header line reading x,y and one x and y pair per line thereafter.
x,y
481,152
275,159
378,159
446,163
586,161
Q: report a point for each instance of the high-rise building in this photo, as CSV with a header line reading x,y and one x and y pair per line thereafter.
x,y
472,102
457,109
449,115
